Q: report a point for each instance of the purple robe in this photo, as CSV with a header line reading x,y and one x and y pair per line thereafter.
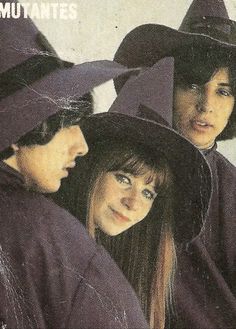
x,y
52,274
205,286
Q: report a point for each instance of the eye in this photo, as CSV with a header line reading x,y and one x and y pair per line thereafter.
x,y
224,92
148,194
122,179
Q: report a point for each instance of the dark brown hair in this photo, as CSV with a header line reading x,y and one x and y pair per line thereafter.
x,y
145,252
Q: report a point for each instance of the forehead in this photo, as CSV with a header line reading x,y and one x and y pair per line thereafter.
x,y
67,134
220,75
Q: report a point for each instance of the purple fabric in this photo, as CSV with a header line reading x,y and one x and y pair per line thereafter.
x,y
35,103
14,49
214,8
143,90
205,287
52,274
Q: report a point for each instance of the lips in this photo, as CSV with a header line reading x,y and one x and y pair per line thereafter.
x,y
201,125
65,172
119,216
67,167
71,165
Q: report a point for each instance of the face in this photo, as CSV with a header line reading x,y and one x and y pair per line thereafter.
x,y
43,166
122,200
202,112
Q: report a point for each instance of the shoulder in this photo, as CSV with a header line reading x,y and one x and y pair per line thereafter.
x,y
223,165
105,289
30,220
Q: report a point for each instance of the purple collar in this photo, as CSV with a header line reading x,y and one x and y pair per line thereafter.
x,y
9,176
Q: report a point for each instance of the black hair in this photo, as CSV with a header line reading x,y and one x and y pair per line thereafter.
x,y
44,132
197,64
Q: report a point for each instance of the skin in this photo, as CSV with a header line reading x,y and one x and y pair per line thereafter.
x,y
122,200
43,166
202,112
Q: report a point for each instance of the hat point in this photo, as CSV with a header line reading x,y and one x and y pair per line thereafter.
x,y
210,8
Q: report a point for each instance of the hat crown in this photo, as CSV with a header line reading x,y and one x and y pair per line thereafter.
x,y
149,95
210,18
20,40
201,8
34,83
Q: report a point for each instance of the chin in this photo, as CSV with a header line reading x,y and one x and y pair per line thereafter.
x,y
52,188
110,231
202,144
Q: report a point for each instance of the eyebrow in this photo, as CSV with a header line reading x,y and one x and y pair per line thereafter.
x,y
154,187
224,84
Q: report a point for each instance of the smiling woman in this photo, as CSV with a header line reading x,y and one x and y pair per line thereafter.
x,y
124,184
132,181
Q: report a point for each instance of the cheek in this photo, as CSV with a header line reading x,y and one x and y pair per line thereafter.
x,y
145,208
184,106
103,196
224,116
110,190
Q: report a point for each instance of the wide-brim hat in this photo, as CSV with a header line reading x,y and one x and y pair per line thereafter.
x,y
206,23
23,110
126,121
35,83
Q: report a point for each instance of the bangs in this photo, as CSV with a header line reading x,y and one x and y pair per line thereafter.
x,y
199,64
131,158
155,171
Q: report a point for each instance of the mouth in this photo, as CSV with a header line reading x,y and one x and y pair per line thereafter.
x,y
201,125
66,169
119,216
70,165
65,172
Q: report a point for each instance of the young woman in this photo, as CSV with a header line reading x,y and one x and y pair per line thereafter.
x,y
132,172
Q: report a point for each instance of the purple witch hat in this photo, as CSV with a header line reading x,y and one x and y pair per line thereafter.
x,y
34,83
206,23
127,121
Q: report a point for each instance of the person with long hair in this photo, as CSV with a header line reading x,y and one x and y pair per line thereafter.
x,y
133,182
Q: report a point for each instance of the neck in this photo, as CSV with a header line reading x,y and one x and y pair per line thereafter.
x,y
206,148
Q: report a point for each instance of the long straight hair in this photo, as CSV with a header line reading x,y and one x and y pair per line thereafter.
x,y
146,252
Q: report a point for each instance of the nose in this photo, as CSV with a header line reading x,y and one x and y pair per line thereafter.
x,y
80,147
204,103
130,201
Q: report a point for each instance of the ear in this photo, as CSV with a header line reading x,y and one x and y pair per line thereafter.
x,y
15,147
